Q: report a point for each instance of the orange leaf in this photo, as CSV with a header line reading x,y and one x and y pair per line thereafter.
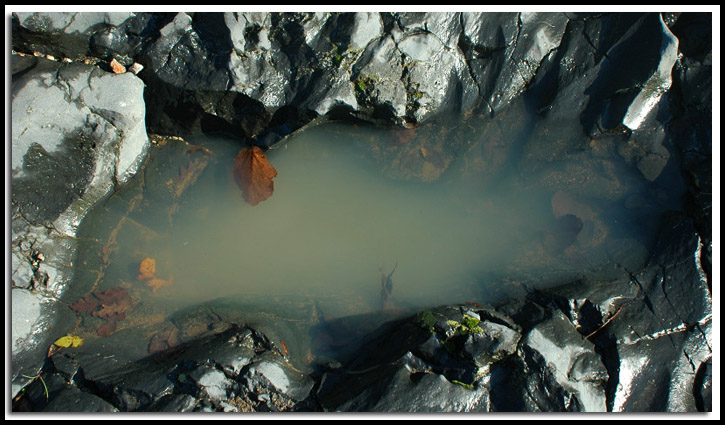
x,y
147,269
253,173
157,283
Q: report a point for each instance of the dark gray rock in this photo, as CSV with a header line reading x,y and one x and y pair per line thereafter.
x,y
233,370
593,52
573,372
73,400
650,326
64,34
505,50
691,126
192,52
666,334
703,387
391,67
391,389
78,131
413,365
482,363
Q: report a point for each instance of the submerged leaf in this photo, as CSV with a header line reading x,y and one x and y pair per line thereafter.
x,y
253,173
110,306
108,328
87,304
147,269
157,283
114,303
69,341
188,175
164,339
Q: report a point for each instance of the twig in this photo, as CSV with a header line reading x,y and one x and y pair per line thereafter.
x,y
605,323
41,381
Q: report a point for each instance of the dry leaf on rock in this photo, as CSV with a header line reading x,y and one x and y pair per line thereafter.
x,y
253,173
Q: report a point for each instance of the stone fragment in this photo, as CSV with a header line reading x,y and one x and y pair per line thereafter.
x,y
116,67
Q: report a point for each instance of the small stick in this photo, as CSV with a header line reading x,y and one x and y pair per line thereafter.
x,y
605,323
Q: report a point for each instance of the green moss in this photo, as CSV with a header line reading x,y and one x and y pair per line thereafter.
x,y
469,321
428,320
365,83
337,56
467,325
470,325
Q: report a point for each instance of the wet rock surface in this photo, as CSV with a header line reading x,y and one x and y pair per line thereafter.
x,y
78,133
234,370
591,345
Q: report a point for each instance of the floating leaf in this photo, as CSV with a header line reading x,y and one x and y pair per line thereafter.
x,y
253,173
69,341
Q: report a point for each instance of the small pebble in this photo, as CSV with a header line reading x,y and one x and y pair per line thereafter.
x,y
136,68
117,67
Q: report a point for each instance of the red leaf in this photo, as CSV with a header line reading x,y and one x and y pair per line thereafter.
x,y
110,305
87,304
253,173
107,329
164,339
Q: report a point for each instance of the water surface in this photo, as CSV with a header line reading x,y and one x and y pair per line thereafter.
x,y
464,220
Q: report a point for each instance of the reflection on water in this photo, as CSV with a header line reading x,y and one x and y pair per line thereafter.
x,y
462,226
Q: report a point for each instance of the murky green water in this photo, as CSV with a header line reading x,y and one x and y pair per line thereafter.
x,y
467,224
